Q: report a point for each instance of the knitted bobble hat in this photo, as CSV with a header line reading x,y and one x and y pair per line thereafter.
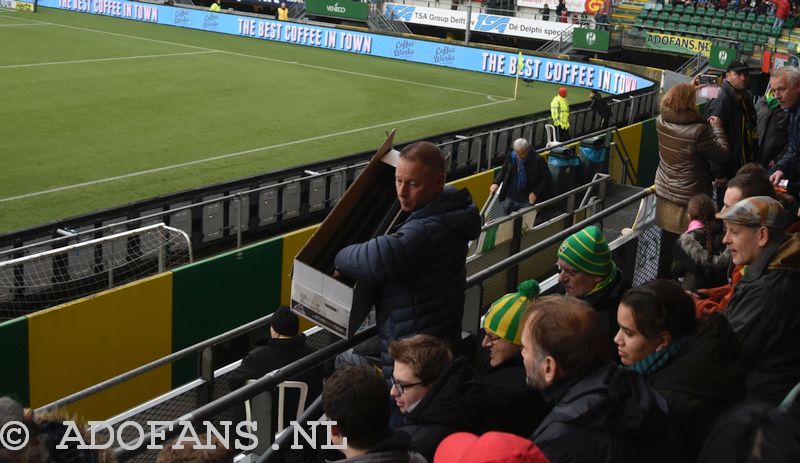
x,y
587,252
504,316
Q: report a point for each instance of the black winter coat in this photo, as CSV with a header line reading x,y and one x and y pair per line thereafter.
x,y
727,107
514,406
536,171
599,104
703,379
773,131
765,314
452,404
418,270
609,416
271,354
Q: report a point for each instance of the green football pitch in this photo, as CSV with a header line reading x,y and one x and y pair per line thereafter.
x,y
97,112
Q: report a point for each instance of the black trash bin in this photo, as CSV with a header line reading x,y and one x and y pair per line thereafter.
x,y
563,164
594,154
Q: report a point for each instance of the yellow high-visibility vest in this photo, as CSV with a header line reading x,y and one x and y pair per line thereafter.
x,y
559,110
283,14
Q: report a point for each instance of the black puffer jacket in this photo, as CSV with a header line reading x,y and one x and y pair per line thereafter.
x,y
736,123
454,403
703,379
765,314
418,270
609,416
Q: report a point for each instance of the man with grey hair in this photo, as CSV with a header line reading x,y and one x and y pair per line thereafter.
x,y
764,310
785,83
525,178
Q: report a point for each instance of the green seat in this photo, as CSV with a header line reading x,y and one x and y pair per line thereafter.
x,y
679,8
776,32
713,31
741,15
692,29
675,18
730,14
732,34
716,22
742,36
682,27
639,22
652,15
720,14
648,23
689,9
670,27
697,20
710,11
667,7
746,26
702,30
736,25
642,14
763,38
764,19
747,47
752,17
660,24
727,23
752,37
663,16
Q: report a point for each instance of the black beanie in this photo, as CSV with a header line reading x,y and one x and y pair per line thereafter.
x,y
285,322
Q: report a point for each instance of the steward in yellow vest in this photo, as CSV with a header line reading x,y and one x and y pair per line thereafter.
x,y
559,110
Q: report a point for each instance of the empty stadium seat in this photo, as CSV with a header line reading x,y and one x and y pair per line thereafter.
x,y
660,24
741,15
702,30
689,9
675,18
692,29
671,27
697,20
736,25
730,14
716,22
727,23
713,31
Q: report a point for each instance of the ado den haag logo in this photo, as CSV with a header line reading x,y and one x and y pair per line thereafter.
x,y
181,17
400,12
488,23
591,38
723,57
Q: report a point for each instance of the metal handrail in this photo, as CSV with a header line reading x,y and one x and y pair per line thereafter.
x,y
248,391
498,267
186,351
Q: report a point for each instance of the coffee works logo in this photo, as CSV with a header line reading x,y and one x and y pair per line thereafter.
x,y
444,55
723,57
335,8
210,21
591,38
404,48
181,17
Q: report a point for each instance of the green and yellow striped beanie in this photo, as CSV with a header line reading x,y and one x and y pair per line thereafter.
x,y
504,317
587,252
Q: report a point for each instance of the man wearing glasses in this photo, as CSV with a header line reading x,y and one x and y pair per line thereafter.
x,y
587,271
436,394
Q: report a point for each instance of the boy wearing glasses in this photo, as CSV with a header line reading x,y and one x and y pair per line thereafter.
x,y
436,394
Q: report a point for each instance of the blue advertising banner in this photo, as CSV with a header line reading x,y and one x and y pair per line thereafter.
x,y
419,51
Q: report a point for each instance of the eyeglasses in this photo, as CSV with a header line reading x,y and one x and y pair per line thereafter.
x,y
492,338
402,387
570,272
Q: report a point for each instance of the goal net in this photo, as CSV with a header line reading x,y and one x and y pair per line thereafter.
x,y
46,275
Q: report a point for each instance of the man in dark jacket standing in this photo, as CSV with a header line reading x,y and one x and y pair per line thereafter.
x,y
418,267
765,310
601,412
773,129
525,177
600,107
734,106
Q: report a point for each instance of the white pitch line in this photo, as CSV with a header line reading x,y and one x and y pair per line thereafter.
x,y
22,25
97,60
241,153
293,63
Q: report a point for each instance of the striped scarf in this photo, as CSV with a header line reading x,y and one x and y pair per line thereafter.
x,y
606,281
658,359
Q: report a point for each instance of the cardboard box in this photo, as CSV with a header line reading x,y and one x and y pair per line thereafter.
x,y
367,209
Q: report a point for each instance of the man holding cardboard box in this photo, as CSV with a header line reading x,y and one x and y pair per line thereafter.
x,y
417,267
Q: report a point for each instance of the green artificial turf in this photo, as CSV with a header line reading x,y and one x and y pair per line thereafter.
x,y
86,99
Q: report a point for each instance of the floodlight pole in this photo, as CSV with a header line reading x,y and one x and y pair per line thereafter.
x,y
469,20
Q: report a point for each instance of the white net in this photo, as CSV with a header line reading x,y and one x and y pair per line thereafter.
x,y
56,272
